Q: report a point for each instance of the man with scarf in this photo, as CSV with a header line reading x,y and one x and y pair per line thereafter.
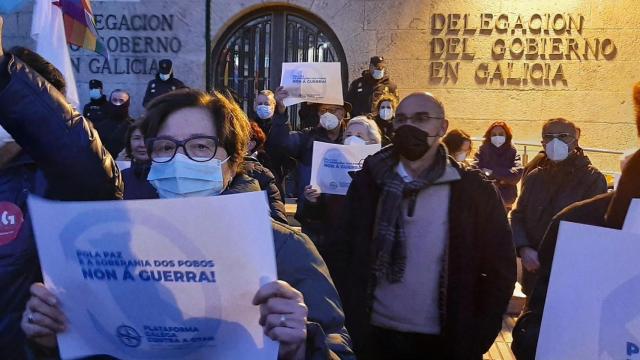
x,y
605,210
113,127
426,249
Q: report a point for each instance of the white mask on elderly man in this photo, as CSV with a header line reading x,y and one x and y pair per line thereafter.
x,y
556,150
329,121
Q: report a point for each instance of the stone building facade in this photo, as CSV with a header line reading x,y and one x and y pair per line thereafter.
x,y
522,61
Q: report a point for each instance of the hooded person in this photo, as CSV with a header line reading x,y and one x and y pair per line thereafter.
x,y
605,210
95,109
364,91
113,128
164,82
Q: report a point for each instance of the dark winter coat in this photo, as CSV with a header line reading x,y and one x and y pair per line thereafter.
x,y
95,110
550,188
605,210
113,129
300,265
254,169
66,150
386,130
479,271
299,145
365,90
157,87
505,163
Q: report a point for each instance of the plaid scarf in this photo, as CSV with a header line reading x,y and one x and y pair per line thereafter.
x,y
389,234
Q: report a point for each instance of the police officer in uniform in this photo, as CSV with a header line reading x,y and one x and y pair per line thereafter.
x,y
95,109
367,89
163,83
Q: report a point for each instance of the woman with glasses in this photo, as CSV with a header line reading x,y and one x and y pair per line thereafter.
x,y
499,160
196,143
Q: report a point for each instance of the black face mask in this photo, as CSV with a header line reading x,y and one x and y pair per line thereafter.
x,y
411,142
120,111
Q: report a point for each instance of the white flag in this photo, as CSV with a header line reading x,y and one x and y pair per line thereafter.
x,y
47,29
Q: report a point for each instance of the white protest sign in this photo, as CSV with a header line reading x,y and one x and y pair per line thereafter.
x,y
592,309
319,82
332,163
632,221
159,279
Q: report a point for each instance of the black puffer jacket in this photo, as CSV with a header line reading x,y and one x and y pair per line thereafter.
x,y
365,90
64,147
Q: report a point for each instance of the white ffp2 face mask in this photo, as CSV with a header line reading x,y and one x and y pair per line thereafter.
x,y
386,114
354,140
377,74
556,150
329,121
498,141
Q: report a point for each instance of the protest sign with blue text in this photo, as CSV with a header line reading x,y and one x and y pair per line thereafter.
x,y
158,279
332,163
592,309
316,82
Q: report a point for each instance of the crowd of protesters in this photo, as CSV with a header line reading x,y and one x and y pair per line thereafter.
x,y
416,261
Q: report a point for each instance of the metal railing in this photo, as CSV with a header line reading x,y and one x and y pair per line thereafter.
x,y
525,145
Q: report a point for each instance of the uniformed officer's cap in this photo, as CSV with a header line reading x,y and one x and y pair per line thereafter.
x,y
95,84
165,66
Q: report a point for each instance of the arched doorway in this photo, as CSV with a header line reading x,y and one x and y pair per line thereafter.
x,y
248,57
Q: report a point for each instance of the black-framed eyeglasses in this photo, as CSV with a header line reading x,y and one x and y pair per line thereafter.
x,y
163,149
419,117
564,137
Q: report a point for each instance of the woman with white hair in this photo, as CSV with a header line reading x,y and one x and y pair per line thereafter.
x,y
362,130
322,212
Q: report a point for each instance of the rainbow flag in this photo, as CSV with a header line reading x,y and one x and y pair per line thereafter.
x,y
80,27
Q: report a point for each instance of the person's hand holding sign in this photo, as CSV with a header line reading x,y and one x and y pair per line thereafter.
x,y
311,194
281,94
42,319
283,315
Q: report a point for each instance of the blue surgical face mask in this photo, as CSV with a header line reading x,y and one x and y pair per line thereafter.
x,y
183,177
95,94
165,77
264,111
